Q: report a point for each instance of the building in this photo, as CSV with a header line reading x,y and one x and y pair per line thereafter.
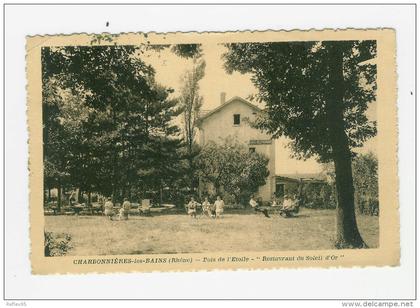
x,y
232,119
289,183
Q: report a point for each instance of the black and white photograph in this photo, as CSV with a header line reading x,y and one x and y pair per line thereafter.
x,y
209,147
210,151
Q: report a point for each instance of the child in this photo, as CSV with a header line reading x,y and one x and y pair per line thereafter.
x,y
109,209
206,207
192,208
125,210
274,201
219,205
212,210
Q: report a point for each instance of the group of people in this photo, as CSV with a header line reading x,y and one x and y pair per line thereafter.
x,y
122,213
289,204
213,210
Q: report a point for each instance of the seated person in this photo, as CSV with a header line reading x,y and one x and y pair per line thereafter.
x,y
290,204
254,204
275,201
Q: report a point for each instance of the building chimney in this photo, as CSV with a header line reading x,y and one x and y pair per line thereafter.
x,y
222,98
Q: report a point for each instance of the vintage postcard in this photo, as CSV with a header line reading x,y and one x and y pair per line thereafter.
x,y
211,151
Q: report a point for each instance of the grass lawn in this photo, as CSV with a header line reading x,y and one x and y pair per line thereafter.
x,y
177,233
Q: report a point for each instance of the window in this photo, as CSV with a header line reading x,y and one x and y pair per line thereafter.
x,y
279,190
236,119
252,150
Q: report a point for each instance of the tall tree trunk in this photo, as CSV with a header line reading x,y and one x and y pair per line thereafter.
x,y
80,196
191,172
123,191
348,235
160,193
59,197
114,163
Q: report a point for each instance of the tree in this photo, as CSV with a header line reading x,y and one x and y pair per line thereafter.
x,y
56,171
365,175
160,154
230,167
190,104
316,94
116,127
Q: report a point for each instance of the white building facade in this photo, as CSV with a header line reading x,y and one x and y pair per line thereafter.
x,y
232,119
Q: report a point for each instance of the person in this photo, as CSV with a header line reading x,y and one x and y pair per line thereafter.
x,y
212,210
125,209
72,201
254,204
206,207
109,208
192,208
219,205
274,201
288,203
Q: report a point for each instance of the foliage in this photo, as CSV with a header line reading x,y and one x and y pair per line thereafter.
x,y
318,196
231,168
56,244
293,80
114,122
190,103
187,50
365,175
316,94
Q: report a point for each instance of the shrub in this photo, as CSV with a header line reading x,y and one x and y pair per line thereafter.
x,y
56,244
318,196
232,170
365,180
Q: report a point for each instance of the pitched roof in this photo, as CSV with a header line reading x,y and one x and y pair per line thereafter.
x,y
235,98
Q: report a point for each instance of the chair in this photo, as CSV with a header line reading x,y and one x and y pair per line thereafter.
x,y
145,207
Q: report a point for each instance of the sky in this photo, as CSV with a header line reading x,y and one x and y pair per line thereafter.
x,y
169,71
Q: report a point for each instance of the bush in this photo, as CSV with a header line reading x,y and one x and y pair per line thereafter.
x,y
232,170
318,196
365,181
368,206
56,244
